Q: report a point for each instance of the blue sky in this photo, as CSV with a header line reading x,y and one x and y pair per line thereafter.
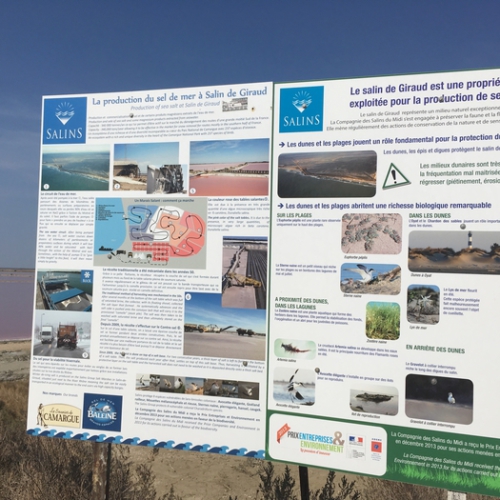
x,y
62,47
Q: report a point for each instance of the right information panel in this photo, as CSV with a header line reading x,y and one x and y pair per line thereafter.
x,y
384,271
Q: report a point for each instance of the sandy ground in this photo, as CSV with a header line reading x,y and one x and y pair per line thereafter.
x,y
14,360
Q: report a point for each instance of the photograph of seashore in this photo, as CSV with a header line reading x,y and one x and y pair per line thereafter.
x,y
229,168
466,252
337,174
75,168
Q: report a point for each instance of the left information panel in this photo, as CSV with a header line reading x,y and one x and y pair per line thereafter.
x,y
150,321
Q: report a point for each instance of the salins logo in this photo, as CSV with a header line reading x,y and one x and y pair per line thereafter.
x,y
301,110
65,120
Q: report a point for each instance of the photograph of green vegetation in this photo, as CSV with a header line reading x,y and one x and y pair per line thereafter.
x,y
454,480
383,320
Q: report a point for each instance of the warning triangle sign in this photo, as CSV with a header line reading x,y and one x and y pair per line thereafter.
x,y
394,178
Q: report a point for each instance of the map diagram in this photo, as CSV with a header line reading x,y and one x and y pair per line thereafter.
x,y
148,234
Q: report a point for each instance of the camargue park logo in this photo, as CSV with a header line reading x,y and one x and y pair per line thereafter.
x,y
103,412
301,109
65,120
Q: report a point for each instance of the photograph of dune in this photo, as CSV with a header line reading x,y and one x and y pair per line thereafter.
x,y
467,252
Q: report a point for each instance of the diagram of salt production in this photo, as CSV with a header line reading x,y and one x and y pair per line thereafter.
x,y
133,234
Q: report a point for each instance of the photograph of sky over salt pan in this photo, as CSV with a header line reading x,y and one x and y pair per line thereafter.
x,y
229,168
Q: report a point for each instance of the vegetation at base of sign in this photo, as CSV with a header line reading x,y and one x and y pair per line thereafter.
x,y
283,487
41,468
459,480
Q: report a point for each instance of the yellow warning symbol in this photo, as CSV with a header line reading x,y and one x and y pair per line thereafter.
x,y
395,178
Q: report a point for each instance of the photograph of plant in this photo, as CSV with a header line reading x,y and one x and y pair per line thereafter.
x,y
382,320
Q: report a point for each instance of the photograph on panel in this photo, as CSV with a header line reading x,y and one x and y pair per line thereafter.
x,y
194,386
383,320
212,387
377,399
294,385
329,174
377,279
423,304
229,389
211,330
442,399
141,167
64,290
248,390
148,382
244,272
77,167
166,234
229,168
466,251
62,334
371,233
294,349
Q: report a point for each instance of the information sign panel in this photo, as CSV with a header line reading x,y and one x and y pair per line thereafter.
x,y
150,320
385,259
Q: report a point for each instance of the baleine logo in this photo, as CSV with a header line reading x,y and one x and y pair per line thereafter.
x,y
65,120
301,110
58,415
103,412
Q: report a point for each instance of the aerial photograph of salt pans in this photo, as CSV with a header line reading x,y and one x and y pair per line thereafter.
x,y
229,168
331,174
75,168
466,252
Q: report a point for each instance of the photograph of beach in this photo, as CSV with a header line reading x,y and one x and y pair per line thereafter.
x,y
75,168
337,174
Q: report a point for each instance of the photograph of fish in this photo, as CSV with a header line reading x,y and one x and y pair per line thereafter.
x,y
379,279
441,399
294,349
371,233
75,168
466,252
423,304
383,320
381,400
331,174
297,386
